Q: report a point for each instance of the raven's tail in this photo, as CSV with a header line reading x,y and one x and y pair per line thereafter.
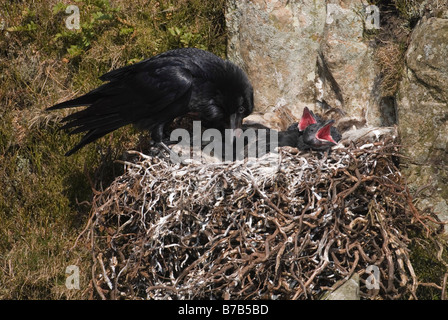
x,y
104,114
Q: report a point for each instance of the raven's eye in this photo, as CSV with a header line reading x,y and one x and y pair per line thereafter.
x,y
241,109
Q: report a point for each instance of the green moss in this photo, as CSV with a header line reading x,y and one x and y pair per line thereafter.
x,y
428,267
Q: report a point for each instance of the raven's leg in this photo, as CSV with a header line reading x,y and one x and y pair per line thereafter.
x,y
164,146
157,137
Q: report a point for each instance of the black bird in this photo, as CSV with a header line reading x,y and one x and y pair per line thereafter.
x,y
309,119
310,133
152,93
319,137
290,137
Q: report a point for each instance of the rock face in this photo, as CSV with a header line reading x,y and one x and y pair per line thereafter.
x,y
276,42
349,60
298,51
422,105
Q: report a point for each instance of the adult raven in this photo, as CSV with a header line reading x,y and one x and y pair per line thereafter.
x,y
152,93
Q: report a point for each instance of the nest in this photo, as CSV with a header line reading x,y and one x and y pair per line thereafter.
x,y
293,228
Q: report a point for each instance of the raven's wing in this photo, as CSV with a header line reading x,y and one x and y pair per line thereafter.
x,y
145,90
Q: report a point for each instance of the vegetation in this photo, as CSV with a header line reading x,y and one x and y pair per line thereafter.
x,y
45,197
398,18
44,201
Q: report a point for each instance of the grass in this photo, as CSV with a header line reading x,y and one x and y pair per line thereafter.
x,y
431,264
390,58
44,201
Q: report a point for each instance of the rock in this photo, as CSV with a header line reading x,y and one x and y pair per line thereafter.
x,y
368,135
348,291
350,63
296,52
422,104
268,119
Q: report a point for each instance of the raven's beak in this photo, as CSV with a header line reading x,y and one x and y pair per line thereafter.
x,y
236,122
324,133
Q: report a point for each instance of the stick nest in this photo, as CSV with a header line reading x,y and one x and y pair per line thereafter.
x,y
253,230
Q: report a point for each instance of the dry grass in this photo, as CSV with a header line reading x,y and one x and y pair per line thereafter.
x,y
390,58
45,196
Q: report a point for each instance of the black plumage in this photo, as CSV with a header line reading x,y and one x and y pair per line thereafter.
x,y
152,93
314,123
